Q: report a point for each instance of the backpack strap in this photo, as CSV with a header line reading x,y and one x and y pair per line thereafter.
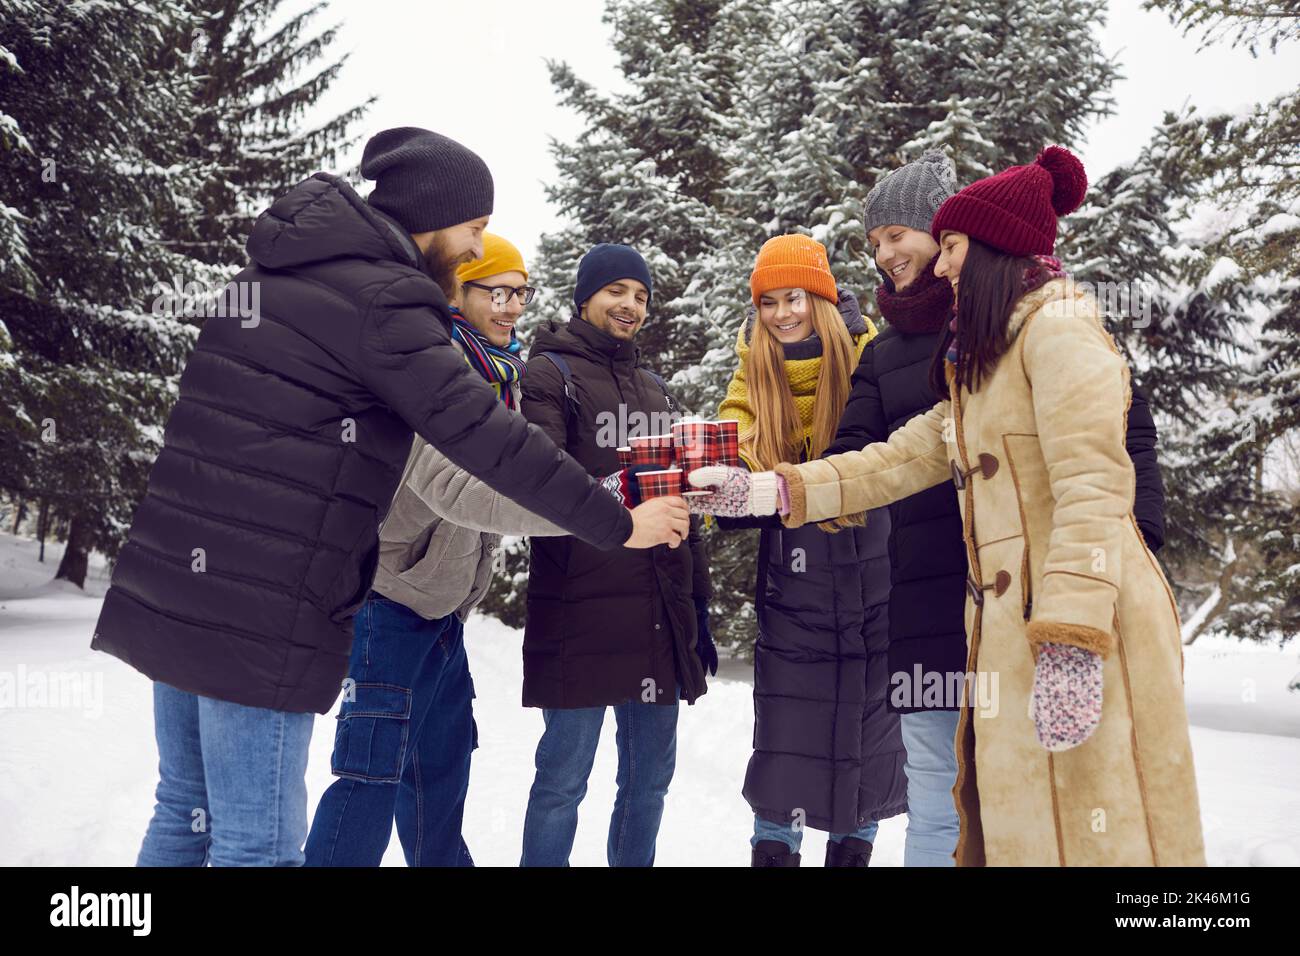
x,y
570,395
663,387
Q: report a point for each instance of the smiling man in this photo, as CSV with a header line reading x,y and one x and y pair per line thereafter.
x,y
492,292
603,630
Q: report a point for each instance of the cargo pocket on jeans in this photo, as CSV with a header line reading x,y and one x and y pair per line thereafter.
x,y
370,742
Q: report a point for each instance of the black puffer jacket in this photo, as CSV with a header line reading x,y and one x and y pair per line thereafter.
x,y
284,449
926,553
824,740
600,624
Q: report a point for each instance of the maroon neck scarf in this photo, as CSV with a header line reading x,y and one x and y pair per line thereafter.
x,y
922,307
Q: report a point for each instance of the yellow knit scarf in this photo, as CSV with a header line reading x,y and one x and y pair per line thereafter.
x,y
802,376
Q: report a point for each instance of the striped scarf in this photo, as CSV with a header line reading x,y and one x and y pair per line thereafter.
x,y
498,366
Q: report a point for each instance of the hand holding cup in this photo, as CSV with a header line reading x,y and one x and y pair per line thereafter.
x,y
659,521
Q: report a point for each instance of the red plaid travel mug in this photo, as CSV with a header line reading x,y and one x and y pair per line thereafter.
x,y
728,443
696,441
660,484
654,450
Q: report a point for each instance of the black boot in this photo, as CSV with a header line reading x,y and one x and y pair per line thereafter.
x,y
773,853
852,852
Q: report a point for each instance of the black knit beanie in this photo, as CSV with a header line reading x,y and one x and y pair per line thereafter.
x,y
426,181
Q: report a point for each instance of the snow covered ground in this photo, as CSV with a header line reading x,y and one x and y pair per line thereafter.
x,y
76,779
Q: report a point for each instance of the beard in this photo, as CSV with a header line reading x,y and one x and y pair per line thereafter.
x,y
442,267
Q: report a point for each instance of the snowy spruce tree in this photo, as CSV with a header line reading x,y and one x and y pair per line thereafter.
x,y
89,369
137,142
256,74
647,168
864,86
1243,566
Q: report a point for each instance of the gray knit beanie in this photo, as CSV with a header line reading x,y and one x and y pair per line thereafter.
x,y
424,180
911,195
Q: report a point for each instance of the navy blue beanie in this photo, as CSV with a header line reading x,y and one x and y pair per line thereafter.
x,y
608,262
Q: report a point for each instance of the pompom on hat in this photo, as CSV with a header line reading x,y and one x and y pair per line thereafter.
x,y
1016,210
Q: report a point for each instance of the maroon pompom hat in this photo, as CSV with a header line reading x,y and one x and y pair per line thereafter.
x,y
1016,210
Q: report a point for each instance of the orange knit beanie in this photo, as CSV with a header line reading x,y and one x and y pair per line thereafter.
x,y
793,262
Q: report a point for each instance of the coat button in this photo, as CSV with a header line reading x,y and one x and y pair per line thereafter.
x,y
656,627
1001,582
987,467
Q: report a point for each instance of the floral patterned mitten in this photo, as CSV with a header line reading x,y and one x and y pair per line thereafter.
x,y
1065,703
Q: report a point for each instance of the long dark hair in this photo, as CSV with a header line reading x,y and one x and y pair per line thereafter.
x,y
991,283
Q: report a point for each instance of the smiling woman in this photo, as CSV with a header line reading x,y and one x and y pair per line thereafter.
x,y
1064,596
786,313
819,663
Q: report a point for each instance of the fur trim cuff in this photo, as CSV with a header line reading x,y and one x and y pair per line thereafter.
x,y
798,495
1078,635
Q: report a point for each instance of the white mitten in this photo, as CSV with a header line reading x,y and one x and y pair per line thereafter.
x,y
736,493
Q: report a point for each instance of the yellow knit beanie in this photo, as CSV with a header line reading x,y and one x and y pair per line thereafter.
x,y
499,256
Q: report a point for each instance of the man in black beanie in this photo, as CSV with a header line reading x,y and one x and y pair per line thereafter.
x,y
446,223
258,536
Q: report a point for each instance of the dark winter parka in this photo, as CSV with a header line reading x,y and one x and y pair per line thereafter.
x,y
603,625
826,748
257,538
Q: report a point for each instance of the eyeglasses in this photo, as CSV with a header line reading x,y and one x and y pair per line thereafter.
x,y
501,294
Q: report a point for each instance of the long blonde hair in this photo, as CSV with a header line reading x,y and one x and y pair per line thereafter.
x,y
776,434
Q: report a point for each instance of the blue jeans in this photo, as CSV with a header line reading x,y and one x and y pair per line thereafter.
x,y
647,756
403,743
787,834
232,785
931,768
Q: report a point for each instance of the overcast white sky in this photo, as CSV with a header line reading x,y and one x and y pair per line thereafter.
x,y
475,71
